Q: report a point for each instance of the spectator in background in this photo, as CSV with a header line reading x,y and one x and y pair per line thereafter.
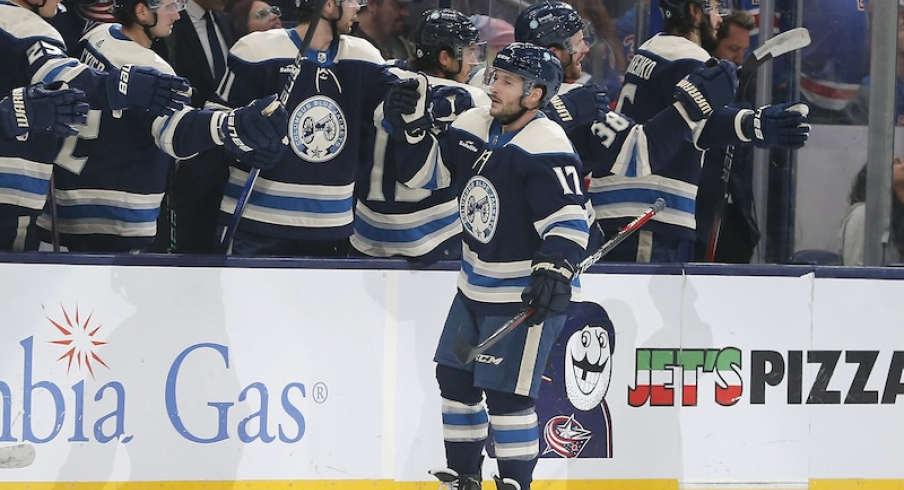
x,y
739,232
605,64
252,16
496,32
383,23
853,227
860,110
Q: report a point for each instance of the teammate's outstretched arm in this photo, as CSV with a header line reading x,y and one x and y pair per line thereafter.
x,y
37,108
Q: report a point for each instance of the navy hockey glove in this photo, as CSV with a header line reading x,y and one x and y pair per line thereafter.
x,y
549,288
405,108
446,103
254,136
35,108
708,88
783,125
579,106
144,88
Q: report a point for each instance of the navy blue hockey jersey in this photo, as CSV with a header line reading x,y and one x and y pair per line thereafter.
x,y
332,129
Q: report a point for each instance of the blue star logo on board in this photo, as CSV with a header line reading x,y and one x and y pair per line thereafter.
x,y
479,208
318,129
565,436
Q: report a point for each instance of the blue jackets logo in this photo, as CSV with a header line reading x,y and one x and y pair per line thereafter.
x,y
479,208
318,129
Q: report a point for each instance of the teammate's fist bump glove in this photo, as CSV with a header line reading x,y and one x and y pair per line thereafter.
x,y
549,288
405,108
707,88
446,103
255,134
578,107
35,108
782,125
145,88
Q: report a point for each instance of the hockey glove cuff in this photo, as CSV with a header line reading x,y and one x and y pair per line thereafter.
x,y
144,88
446,103
256,134
782,125
405,108
708,88
549,287
578,107
35,108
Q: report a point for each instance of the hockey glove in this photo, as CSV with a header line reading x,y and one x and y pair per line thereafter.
x,y
783,125
405,108
144,88
254,138
708,88
549,288
446,103
35,108
578,107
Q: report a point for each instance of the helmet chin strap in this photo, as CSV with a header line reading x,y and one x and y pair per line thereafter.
x,y
147,27
334,23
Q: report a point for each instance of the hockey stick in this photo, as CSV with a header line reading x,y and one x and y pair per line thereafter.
x,y
18,456
466,353
229,233
54,223
783,43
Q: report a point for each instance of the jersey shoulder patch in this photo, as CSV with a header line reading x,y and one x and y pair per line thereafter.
x,y
261,46
109,41
673,48
356,48
22,23
542,135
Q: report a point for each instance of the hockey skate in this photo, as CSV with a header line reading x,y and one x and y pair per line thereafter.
x,y
506,484
451,480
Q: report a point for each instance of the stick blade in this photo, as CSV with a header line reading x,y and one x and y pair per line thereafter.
x,y
783,43
18,456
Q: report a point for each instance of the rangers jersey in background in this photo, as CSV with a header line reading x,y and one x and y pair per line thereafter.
x,y
332,129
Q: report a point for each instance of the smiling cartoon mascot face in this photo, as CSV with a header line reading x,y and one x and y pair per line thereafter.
x,y
588,369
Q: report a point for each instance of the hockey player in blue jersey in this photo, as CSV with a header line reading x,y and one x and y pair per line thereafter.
x,y
111,177
304,204
664,61
39,110
391,219
524,226
34,52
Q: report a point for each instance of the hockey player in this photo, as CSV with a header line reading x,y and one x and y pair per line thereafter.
x,y
111,178
34,108
661,62
521,207
304,205
391,219
34,52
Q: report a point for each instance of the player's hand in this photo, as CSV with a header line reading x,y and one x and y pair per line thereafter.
x,y
708,88
578,107
549,288
254,136
405,108
145,88
446,103
782,125
36,108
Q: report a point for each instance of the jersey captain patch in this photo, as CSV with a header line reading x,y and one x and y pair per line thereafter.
x,y
479,208
319,129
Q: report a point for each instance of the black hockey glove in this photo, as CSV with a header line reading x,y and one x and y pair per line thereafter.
x,y
708,88
579,106
446,103
783,125
549,288
144,88
254,136
34,108
405,108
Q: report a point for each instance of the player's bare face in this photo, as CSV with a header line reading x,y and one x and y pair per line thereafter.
x,y
167,15
49,9
505,97
469,60
349,16
577,51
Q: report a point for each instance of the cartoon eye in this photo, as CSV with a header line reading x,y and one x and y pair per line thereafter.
x,y
604,340
586,338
